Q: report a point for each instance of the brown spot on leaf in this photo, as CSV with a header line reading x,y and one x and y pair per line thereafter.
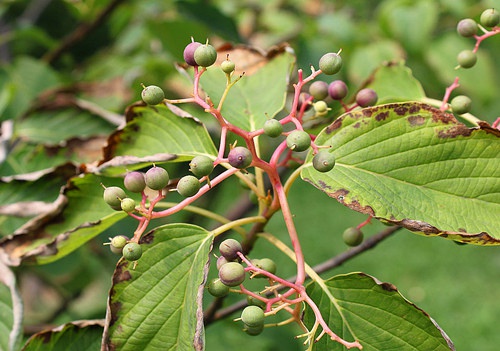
x,y
417,120
340,196
455,131
400,110
414,108
367,112
388,287
382,116
323,185
334,126
357,125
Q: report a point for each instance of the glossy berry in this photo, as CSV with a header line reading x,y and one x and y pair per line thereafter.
x,y
330,63
323,161
353,236
318,90
229,249
272,128
113,195
366,97
252,316
232,274
320,107
227,66
117,244
189,53
466,58
134,182
337,90
252,301
461,104
254,330
152,95
157,178
205,55
239,157
490,18
467,27
132,251
217,288
128,205
188,186
201,166
298,140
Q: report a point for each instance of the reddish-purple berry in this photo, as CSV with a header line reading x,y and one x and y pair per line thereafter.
x,y
189,53
337,90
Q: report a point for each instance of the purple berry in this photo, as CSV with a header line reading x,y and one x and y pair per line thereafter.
x,y
239,157
134,182
366,97
229,249
337,90
189,53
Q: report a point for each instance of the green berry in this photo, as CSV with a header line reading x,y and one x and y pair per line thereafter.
x,y
128,205
113,195
320,107
461,104
239,157
353,236
273,128
266,264
217,288
366,97
319,90
201,166
188,186
229,249
152,95
252,316
157,178
467,27
227,66
323,161
490,18
189,53
330,63
205,55
132,251
232,274
254,330
298,140
134,182
466,58
117,244
252,301
337,90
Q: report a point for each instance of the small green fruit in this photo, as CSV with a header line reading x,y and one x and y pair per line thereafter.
x,y
232,274
319,90
467,27
239,157
128,205
266,264
252,316
298,140
152,95
330,63
117,244
461,104
157,178
134,182
113,195
205,55
188,186
201,166
229,249
320,107
273,128
353,236
466,58
254,330
217,288
323,161
132,251
490,18
227,66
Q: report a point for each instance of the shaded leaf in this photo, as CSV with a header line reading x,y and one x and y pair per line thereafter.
x,y
358,307
259,94
75,336
11,310
157,305
412,165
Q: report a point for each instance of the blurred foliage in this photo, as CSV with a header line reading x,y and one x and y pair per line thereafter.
x,y
69,68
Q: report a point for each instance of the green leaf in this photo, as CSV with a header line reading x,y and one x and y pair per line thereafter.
x,y
76,336
358,307
166,132
157,305
413,165
11,310
256,96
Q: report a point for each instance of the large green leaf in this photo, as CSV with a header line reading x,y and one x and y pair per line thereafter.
x,y
11,310
415,166
157,304
358,307
258,95
76,336
166,132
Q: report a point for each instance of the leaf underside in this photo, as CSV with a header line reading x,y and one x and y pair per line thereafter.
x,y
358,307
157,305
412,165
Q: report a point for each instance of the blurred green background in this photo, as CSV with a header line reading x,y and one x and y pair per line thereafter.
x,y
141,40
